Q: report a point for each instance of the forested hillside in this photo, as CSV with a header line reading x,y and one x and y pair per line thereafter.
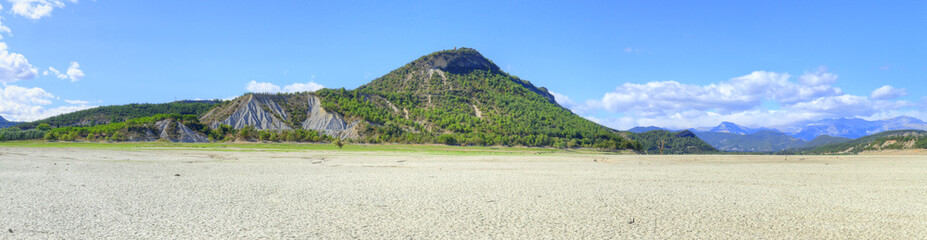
x,y
460,97
120,113
826,140
667,142
169,127
888,140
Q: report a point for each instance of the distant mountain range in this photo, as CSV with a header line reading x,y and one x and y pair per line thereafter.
x,y
731,137
855,127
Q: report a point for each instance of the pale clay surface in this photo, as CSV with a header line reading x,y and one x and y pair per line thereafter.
x,y
107,194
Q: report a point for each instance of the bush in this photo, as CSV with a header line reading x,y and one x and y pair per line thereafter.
x,y
14,133
447,139
43,127
118,136
264,135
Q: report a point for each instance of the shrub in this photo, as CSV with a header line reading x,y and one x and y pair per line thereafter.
x,y
447,139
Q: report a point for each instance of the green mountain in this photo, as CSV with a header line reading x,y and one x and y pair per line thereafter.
x,y
826,140
449,97
667,142
120,113
888,140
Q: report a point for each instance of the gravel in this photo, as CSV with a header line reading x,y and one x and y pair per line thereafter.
x,y
108,194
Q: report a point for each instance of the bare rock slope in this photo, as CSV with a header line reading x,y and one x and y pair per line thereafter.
x,y
170,130
260,112
281,112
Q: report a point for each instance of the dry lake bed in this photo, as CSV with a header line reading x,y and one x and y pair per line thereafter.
x,y
81,193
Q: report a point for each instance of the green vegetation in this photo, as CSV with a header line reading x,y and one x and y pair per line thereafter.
x,y
666,142
826,140
120,113
131,129
248,133
897,139
144,128
14,133
457,97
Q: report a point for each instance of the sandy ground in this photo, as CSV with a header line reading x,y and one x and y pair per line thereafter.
x,y
106,194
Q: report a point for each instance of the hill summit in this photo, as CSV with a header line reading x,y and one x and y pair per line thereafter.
x,y
429,74
451,97
457,61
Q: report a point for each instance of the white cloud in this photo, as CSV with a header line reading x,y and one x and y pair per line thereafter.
x,y
303,87
14,66
74,72
262,87
818,78
741,100
3,28
36,9
43,114
77,102
888,92
737,94
848,105
26,104
265,87
54,72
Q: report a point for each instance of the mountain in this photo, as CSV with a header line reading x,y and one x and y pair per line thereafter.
x,y
826,140
762,141
729,136
667,142
120,113
158,127
644,129
729,127
449,97
5,124
855,127
888,140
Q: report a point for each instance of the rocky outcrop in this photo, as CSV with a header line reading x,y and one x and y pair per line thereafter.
x,y
177,132
167,129
258,112
273,112
326,122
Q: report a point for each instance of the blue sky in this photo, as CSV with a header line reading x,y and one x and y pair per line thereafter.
x,y
621,63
